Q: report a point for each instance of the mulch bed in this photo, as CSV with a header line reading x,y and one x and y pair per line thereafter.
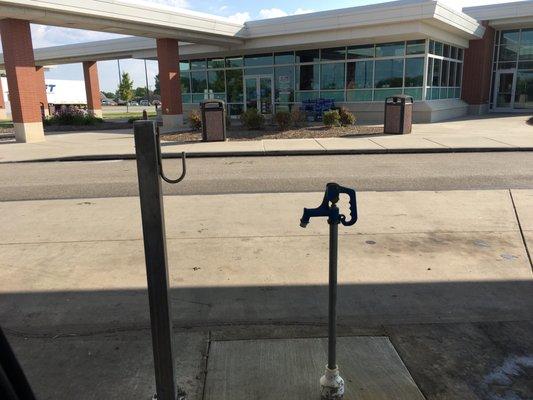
x,y
307,132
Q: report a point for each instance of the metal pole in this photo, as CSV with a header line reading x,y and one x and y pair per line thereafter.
x,y
146,148
332,323
146,77
119,73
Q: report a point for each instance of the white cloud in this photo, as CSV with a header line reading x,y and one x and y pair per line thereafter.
x,y
272,13
266,13
239,17
45,36
300,10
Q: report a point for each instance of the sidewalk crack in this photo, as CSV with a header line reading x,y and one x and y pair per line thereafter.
x,y
380,145
206,363
320,144
521,230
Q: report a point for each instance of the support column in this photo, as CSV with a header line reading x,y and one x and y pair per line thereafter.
x,y
43,103
477,67
24,87
169,82
92,88
3,112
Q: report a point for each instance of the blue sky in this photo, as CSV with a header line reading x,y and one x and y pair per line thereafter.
x,y
237,10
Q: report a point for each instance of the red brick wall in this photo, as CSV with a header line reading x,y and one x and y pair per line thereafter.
x,y
2,102
169,76
92,85
477,68
25,90
40,78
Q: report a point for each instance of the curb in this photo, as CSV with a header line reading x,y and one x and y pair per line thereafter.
x,y
278,153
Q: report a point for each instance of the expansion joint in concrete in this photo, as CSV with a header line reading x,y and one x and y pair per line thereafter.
x,y
524,241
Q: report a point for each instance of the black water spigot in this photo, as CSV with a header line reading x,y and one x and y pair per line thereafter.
x,y
333,191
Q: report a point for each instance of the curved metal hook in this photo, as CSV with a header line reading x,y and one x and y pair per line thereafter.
x,y
160,162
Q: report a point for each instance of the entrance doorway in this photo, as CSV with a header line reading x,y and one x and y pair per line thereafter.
x,y
258,93
505,88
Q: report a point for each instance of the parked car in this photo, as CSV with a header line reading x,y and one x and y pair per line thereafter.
x,y
107,102
156,103
133,103
144,103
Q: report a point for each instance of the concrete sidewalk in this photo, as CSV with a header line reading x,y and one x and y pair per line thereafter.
x,y
445,275
490,133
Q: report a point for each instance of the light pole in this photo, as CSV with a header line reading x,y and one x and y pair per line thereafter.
x,y
146,77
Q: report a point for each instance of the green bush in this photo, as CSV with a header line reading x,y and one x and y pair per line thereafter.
x,y
346,117
283,120
72,116
298,117
195,120
331,118
253,119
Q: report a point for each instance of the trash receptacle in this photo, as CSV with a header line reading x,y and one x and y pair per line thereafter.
x,y
398,114
213,120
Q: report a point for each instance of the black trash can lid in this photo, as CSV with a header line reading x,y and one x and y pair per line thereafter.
x,y
212,103
399,98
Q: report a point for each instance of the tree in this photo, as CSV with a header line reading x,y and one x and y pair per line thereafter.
x,y
125,89
157,89
109,95
141,92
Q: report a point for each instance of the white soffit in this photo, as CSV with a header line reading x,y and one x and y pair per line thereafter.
x,y
519,13
130,18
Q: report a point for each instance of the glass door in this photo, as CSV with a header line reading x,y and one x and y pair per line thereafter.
x,y
259,93
250,92
504,93
523,98
265,95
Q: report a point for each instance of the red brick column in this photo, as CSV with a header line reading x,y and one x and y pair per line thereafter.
x,y
92,88
169,81
477,69
25,90
43,103
3,114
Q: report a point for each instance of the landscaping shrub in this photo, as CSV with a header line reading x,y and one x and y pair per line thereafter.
x,y
346,117
331,118
72,116
195,120
253,119
298,117
283,120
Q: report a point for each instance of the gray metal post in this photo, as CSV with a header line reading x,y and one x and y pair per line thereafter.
x,y
146,148
332,323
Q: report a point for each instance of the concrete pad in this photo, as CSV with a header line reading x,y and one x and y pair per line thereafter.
x,y
401,142
339,144
281,145
241,262
291,369
478,125
520,141
70,145
468,361
382,278
245,146
266,215
107,365
464,142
